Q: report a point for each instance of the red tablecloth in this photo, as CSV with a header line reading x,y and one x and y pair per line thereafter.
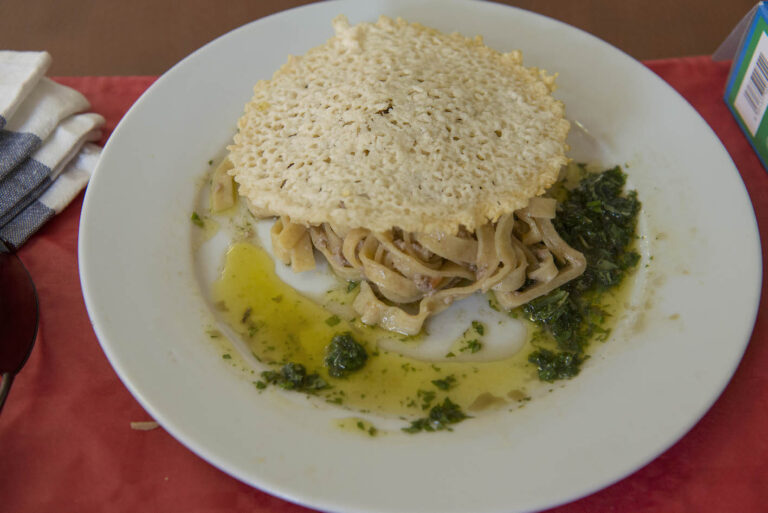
x,y
66,443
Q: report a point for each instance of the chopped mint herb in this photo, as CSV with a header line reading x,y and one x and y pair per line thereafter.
x,y
333,320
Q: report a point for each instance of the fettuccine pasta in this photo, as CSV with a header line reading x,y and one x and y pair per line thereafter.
x,y
406,277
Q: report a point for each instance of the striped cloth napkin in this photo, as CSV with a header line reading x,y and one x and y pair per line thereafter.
x,y
46,155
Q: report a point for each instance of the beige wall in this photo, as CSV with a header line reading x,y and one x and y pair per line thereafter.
x,y
124,37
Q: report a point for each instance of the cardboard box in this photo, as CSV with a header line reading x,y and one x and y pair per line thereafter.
x,y
746,92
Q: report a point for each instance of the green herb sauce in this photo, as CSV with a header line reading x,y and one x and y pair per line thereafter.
x,y
598,219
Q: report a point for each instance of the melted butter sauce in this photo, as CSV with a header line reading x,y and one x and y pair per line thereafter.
x,y
280,325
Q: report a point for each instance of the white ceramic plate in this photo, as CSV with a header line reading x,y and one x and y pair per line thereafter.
x,y
639,395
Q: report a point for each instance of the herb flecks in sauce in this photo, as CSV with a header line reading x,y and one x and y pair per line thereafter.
x,y
471,346
446,383
598,219
469,342
426,397
295,330
293,376
440,418
357,425
196,219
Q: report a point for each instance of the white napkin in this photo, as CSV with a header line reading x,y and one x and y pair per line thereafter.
x,y
19,73
43,161
35,119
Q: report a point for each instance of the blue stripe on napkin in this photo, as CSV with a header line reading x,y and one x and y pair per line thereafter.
x,y
26,200
20,182
14,148
26,223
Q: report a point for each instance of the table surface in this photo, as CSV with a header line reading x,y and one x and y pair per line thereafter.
x,y
146,37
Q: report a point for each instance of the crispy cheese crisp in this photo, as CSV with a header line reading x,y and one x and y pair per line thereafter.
x,y
394,124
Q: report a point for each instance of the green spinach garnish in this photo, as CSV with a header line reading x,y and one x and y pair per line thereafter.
x,y
599,220
553,366
344,355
